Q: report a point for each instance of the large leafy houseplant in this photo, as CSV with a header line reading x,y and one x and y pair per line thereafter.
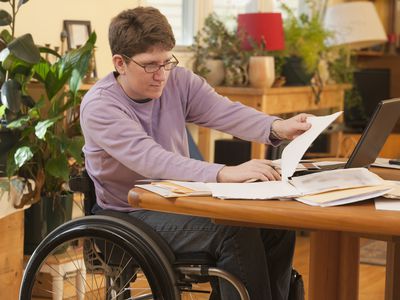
x,y
44,148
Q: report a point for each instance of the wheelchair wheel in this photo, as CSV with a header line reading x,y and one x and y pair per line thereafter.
x,y
99,257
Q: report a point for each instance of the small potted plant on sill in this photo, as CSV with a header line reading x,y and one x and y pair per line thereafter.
x,y
44,150
217,54
305,38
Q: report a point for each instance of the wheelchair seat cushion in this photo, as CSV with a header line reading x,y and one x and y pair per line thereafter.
x,y
194,258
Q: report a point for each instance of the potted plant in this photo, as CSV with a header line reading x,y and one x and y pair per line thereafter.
x,y
44,149
305,38
11,81
217,54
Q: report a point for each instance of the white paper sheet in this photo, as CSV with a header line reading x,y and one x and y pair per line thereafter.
x,y
384,163
393,202
335,180
295,150
389,204
256,190
351,199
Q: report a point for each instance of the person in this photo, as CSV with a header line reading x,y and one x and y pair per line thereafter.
x,y
133,121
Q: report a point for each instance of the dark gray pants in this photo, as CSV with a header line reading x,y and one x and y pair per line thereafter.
x,y
260,258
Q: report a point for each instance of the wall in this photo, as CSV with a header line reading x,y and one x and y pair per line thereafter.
x,y
44,20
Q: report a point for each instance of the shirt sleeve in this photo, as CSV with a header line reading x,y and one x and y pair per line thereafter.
x,y
123,138
207,108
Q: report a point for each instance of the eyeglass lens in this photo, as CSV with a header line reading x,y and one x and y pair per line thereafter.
x,y
154,68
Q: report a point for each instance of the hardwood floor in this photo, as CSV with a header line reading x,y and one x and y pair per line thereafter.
x,y
372,278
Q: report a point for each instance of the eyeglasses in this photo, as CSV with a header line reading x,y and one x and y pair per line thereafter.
x,y
152,68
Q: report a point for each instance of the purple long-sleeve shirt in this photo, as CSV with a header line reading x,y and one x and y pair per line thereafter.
x,y
126,140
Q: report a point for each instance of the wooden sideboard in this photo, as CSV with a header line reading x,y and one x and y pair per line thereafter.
x,y
277,101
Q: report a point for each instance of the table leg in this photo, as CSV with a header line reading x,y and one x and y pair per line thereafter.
x,y
334,263
392,290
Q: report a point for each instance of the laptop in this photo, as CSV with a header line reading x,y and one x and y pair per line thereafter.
x,y
374,136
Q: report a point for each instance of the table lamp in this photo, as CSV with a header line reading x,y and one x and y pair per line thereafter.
x,y
356,25
264,28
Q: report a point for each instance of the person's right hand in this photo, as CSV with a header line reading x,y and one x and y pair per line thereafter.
x,y
255,169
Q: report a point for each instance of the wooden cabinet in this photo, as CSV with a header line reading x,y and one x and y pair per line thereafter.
x,y
11,258
391,149
276,101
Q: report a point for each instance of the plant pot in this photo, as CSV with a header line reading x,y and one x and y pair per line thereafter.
x,y
8,139
261,71
217,72
43,217
294,72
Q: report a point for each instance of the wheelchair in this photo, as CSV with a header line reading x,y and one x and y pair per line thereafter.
x,y
111,255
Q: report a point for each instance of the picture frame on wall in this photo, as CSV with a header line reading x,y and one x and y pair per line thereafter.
x,y
78,32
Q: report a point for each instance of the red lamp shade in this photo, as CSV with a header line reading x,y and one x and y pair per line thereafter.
x,y
258,25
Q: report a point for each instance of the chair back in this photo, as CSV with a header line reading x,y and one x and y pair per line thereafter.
x,y
84,184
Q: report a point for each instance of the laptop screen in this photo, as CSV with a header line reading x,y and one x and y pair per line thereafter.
x,y
375,134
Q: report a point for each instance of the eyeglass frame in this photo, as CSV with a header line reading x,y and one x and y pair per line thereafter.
x,y
174,63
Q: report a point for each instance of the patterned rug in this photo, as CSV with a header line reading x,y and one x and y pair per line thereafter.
x,y
373,252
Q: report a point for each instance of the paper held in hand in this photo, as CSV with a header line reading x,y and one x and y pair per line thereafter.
x,y
326,188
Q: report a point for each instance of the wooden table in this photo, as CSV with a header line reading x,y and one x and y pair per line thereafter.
x,y
276,101
334,251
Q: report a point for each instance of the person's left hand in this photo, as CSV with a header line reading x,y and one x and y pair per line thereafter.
x,y
291,128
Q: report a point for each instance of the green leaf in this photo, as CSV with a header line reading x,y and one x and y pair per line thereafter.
x,y
16,65
3,54
41,127
41,70
5,18
74,58
24,48
2,110
75,81
21,2
22,155
11,166
19,123
74,147
58,167
6,36
54,83
11,95
49,51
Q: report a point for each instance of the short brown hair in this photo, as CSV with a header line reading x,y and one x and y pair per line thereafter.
x,y
135,31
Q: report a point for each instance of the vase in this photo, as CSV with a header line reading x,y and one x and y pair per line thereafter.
x,y
295,73
43,217
261,71
217,72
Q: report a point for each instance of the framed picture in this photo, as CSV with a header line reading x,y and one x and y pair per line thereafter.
x,y
77,32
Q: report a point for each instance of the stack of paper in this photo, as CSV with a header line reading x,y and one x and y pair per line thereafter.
x,y
321,189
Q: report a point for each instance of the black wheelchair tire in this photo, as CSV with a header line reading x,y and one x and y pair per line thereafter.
x,y
156,266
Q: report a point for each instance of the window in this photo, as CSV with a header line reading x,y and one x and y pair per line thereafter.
x,y
180,14
227,10
186,16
